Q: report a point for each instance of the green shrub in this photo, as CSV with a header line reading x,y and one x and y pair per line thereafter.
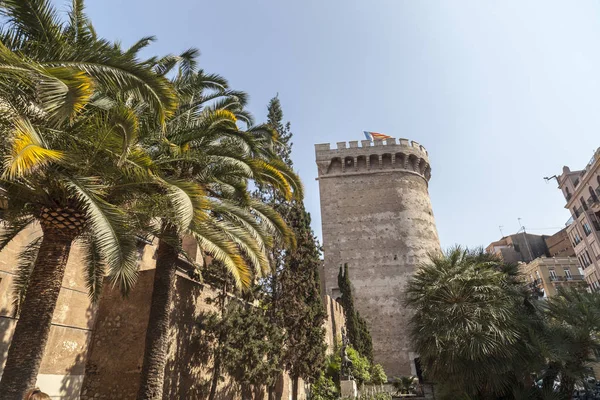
x,y
324,389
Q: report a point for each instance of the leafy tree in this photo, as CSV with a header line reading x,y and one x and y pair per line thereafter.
x,y
251,347
66,156
378,376
324,389
356,327
361,366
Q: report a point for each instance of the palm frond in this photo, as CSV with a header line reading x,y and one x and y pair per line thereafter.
x,y
212,240
188,201
36,19
10,230
109,229
28,151
94,268
64,92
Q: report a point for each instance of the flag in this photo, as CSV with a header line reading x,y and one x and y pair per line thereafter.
x,y
374,135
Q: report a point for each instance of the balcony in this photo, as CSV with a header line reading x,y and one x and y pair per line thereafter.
x,y
557,278
575,278
578,212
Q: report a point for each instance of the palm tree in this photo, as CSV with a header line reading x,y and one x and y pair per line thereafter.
x,y
206,157
465,325
571,338
67,147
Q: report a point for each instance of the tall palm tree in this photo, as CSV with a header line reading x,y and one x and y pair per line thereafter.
x,y
205,156
66,148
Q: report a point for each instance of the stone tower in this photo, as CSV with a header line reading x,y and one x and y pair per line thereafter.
x,y
377,217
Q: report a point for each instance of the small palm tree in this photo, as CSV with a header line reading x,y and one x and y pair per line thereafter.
x,y
466,326
67,149
571,338
404,384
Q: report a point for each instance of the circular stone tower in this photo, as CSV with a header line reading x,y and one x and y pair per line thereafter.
x,y
377,217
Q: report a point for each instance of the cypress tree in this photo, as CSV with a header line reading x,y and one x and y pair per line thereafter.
x,y
304,311
291,295
356,327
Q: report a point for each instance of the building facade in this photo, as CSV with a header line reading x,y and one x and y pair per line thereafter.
x,y
559,244
581,190
377,217
545,275
520,247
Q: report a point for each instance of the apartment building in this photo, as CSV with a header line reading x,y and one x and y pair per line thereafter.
x,y
545,275
559,244
581,190
520,247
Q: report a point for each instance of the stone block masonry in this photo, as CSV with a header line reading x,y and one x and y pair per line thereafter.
x,y
377,217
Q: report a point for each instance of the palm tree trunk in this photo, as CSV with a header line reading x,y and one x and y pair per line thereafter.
x,y
216,374
295,388
155,351
33,327
220,339
246,392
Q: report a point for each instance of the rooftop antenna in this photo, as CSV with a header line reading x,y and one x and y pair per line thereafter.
x,y
526,241
549,178
500,227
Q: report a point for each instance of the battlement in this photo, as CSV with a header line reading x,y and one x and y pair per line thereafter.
x,y
387,154
353,144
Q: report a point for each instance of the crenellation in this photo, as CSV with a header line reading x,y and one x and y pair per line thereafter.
x,y
389,154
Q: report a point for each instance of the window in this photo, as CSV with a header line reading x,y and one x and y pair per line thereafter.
x,y
576,238
587,255
552,274
587,229
575,212
568,274
568,193
583,203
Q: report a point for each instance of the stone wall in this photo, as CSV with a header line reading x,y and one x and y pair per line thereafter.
x,y
377,217
115,359
95,351
334,324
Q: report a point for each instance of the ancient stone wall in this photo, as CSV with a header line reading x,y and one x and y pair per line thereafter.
x,y
334,324
377,217
115,359
97,350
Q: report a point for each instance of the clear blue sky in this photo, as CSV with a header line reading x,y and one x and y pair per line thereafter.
x,y
501,93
